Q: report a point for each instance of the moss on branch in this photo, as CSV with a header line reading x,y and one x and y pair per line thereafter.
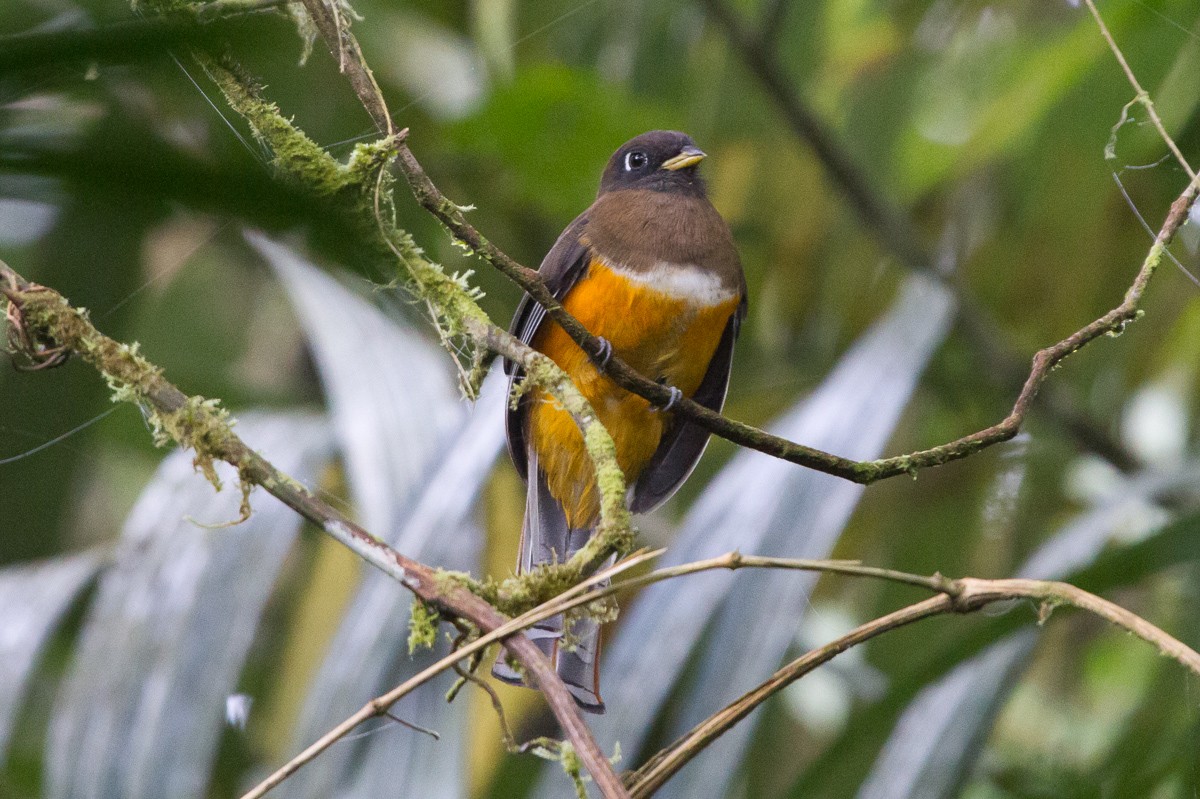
x,y
362,189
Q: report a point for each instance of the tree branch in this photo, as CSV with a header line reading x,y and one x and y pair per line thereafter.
x,y
381,704
897,235
962,596
450,214
365,195
44,319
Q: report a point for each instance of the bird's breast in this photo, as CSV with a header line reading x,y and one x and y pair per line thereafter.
x,y
690,284
665,323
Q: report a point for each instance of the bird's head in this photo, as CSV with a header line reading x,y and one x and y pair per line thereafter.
x,y
661,160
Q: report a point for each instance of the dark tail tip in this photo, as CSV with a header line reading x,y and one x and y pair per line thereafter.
x,y
579,669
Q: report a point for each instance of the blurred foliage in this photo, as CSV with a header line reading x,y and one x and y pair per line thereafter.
x,y
125,183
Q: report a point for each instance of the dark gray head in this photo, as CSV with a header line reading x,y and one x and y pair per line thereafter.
x,y
661,160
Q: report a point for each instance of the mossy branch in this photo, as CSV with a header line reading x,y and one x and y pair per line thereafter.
x,y
363,185
43,318
863,472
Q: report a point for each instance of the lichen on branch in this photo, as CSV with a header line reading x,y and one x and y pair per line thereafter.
x,y
200,423
361,190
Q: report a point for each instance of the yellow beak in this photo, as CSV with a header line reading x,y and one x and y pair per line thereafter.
x,y
688,156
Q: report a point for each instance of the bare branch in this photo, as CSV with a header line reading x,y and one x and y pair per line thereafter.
x,y
963,596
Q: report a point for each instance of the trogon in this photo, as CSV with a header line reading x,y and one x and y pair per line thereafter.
x,y
651,269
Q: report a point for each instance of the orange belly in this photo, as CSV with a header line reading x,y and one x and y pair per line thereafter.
x,y
662,337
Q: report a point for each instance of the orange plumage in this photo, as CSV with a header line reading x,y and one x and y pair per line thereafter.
x,y
660,336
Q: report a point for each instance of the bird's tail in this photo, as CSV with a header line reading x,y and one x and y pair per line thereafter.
x,y
546,538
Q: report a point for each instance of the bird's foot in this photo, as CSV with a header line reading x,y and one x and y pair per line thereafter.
x,y
676,395
605,353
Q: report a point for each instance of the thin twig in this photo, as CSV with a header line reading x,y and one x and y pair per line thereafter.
x,y
381,704
579,595
968,595
1142,96
434,734
506,733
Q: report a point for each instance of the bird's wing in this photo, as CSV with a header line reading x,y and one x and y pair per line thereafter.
x,y
560,270
684,442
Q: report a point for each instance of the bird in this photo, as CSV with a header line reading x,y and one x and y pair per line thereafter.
x,y
651,269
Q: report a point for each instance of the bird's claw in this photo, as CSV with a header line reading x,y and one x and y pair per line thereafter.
x,y
676,395
605,353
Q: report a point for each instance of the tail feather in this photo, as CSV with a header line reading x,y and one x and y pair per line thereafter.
x,y
579,668
546,538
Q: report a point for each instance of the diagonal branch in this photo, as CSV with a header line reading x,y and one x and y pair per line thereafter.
x,y
654,773
201,425
381,704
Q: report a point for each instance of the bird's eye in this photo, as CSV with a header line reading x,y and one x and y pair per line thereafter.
x,y
635,160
